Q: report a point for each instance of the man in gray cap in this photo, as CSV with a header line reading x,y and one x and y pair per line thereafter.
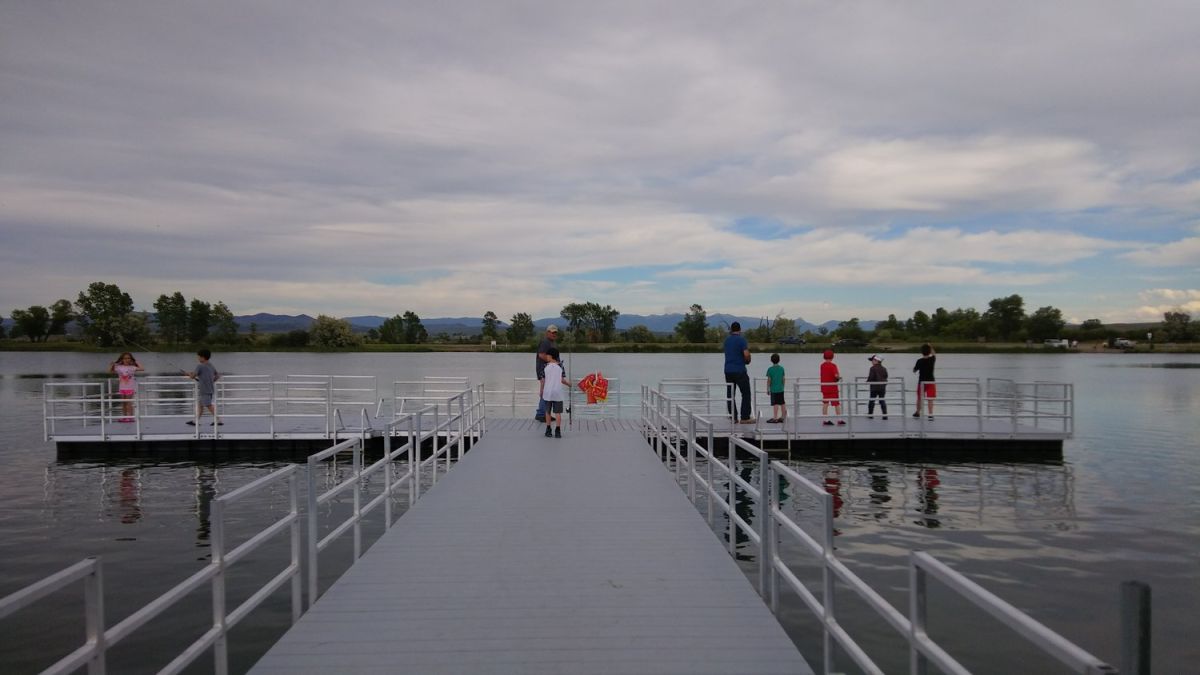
x,y
542,358
878,391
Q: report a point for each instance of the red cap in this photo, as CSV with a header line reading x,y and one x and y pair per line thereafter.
x,y
828,353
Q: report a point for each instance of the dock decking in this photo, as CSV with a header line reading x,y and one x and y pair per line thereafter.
x,y
539,555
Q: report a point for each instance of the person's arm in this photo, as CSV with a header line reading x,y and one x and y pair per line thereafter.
x,y
139,366
112,367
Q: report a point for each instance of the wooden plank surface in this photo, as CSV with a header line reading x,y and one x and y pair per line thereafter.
x,y
539,555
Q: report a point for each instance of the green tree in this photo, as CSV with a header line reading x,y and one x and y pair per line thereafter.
x,y
851,329
294,338
491,324
199,320
1177,326
330,333
692,328
520,329
963,323
104,311
391,331
1046,322
61,313
172,317
225,328
918,324
2,328
576,316
638,333
1005,316
782,327
414,330
32,323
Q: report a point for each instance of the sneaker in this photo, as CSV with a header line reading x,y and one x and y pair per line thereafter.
x,y
548,433
746,422
220,424
827,423
884,417
870,417
931,418
125,419
557,433
917,414
191,423
841,423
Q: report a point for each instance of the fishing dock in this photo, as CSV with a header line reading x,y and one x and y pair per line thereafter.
x,y
628,546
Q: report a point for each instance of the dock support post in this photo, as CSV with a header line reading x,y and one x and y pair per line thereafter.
x,y
1135,628
764,526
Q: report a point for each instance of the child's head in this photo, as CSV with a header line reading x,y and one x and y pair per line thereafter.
x,y
125,355
204,355
926,349
774,358
828,355
553,353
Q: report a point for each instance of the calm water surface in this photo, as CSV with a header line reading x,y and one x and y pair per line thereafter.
x,y
1054,537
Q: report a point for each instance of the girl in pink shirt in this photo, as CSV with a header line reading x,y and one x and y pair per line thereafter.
x,y
125,368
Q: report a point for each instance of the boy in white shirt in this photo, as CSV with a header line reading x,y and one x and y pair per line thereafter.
x,y
554,389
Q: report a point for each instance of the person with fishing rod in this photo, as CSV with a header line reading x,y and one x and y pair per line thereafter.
x,y
126,368
543,357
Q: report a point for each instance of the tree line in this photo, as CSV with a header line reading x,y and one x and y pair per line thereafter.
x,y
106,317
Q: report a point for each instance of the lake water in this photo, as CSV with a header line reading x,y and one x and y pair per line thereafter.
x,y
1054,538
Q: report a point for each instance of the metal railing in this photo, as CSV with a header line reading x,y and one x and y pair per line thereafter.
x,y
675,433
447,433
74,409
98,639
522,399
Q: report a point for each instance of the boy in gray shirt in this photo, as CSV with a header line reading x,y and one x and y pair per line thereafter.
x,y
206,375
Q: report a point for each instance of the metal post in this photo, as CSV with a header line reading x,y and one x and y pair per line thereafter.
x,y
1135,628
461,429
313,539
93,600
764,526
708,498
773,530
691,449
917,663
827,601
294,532
220,646
732,497
979,406
356,454
387,476
414,454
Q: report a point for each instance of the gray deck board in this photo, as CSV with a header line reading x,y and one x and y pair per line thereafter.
x,y
536,555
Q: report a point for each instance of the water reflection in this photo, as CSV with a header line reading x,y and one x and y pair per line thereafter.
x,y
129,501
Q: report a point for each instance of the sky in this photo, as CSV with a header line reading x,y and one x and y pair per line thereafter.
x,y
825,160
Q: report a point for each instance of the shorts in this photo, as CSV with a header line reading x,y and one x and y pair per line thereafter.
x,y
554,406
205,399
930,389
777,398
127,392
829,392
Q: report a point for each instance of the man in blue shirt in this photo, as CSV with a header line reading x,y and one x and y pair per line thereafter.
x,y
737,355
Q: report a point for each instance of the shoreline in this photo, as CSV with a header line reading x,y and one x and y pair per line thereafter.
x,y
615,348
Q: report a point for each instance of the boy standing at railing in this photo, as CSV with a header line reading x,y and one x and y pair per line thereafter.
x,y
206,376
554,389
829,388
926,385
775,389
878,391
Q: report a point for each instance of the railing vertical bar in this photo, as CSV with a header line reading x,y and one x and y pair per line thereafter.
x,y
297,582
827,575
220,646
917,614
356,453
93,599
1135,628
313,538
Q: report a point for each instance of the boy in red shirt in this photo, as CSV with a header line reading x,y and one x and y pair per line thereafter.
x,y
829,388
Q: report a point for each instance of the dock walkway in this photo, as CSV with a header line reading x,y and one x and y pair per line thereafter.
x,y
537,555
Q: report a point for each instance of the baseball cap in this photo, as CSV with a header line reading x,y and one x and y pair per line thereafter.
x,y
876,358
551,328
828,354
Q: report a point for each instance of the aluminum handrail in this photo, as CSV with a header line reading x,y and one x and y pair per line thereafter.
x,y
93,653
660,421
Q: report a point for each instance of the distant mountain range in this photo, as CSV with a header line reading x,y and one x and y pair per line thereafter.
x,y
467,325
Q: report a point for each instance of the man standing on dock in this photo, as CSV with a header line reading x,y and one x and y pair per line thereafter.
x,y
543,357
737,355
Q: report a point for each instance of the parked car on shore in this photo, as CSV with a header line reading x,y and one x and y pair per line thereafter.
x,y
1121,343
851,342
1057,343
790,340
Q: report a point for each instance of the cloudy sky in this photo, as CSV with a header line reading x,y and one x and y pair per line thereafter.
x,y
826,159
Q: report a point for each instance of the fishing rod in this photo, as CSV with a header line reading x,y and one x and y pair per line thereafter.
x,y
125,342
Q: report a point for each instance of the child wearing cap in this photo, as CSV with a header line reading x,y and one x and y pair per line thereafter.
x,y
829,388
775,388
878,391
926,386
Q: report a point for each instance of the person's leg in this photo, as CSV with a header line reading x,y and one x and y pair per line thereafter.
x,y
730,379
837,410
871,405
883,405
920,390
558,421
743,384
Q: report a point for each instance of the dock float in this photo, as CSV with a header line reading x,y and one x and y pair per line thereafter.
x,y
541,555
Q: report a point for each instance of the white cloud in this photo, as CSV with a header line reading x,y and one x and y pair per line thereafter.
x,y
1182,253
